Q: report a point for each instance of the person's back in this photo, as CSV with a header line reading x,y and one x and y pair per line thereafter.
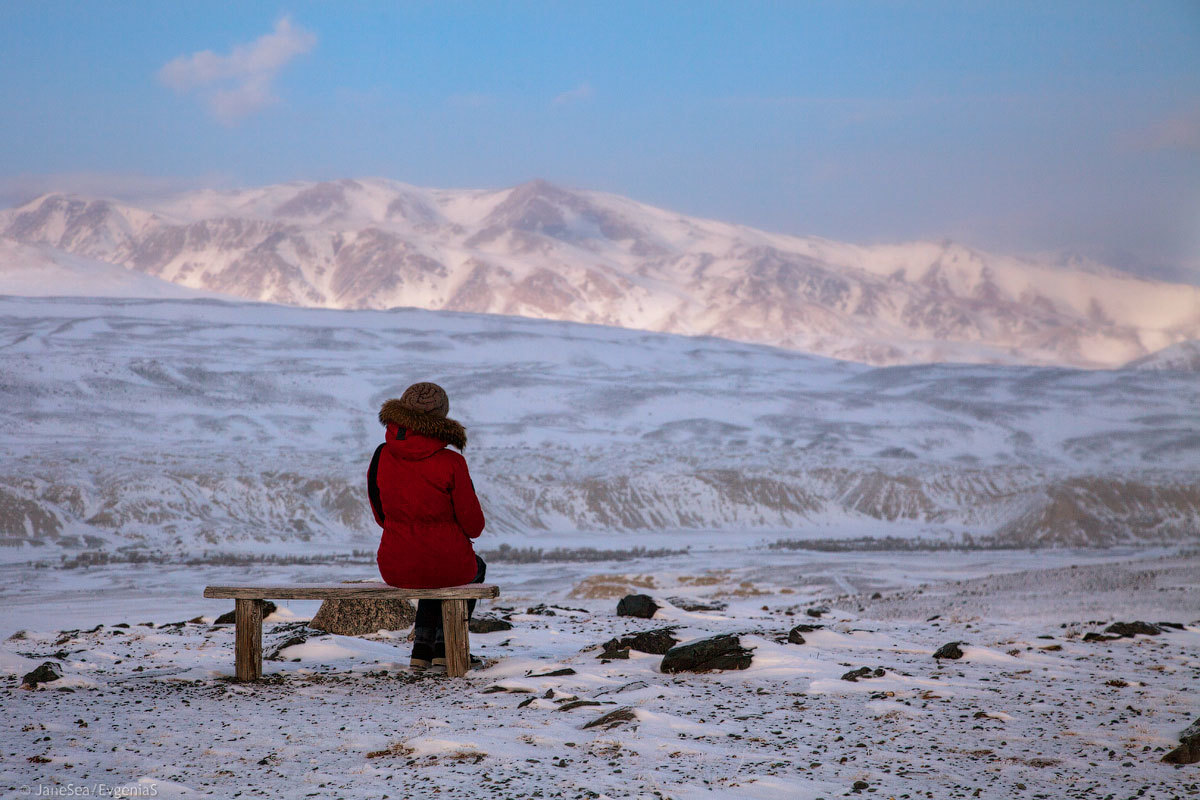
x,y
422,496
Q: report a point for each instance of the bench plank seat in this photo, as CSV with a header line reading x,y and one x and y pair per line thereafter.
x,y
249,604
351,591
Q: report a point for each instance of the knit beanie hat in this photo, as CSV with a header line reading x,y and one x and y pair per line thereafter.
x,y
423,408
426,398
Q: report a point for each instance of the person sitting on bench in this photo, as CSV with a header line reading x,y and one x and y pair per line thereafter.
x,y
423,498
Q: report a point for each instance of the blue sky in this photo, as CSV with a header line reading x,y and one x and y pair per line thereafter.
x,y
1007,125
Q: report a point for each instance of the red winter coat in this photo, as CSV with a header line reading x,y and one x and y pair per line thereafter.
x,y
424,500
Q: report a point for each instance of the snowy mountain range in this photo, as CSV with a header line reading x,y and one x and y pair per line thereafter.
x,y
539,250
183,426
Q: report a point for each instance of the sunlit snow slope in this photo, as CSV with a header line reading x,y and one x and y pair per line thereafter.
x,y
205,425
538,250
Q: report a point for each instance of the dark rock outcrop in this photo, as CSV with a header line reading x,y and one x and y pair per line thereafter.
x,y
693,604
637,605
1131,629
1188,751
613,718
715,653
48,672
289,635
656,642
488,625
949,650
863,672
608,655
230,617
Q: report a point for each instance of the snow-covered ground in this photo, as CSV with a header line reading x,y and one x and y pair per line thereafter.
x,y
130,427
204,435
1031,710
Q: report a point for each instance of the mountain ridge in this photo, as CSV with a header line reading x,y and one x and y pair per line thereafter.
x,y
543,251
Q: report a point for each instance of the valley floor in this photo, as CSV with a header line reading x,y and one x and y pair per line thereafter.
x,y
1030,710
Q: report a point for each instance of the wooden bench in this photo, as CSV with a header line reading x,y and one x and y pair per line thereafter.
x,y
249,606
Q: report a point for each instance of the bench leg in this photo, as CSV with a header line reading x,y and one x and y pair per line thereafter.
x,y
248,639
454,627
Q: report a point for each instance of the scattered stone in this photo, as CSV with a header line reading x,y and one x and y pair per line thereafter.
x,y
196,620
230,617
656,642
877,596
817,611
715,653
637,605
858,786
1092,636
1130,629
1179,626
553,673
608,655
805,628
577,704
613,718
632,686
289,635
489,625
362,616
863,672
48,672
692,604
291,641
511,690
543,610
794,636
1188,751
18,636
949,650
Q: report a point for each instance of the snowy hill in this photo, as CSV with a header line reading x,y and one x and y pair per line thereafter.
x,y
538,250
1184,356
207,425
41,271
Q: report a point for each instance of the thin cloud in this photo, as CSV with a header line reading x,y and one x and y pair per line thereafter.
x,y
577,95
239,83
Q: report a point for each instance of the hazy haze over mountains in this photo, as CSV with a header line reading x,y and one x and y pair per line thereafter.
x,y
538,250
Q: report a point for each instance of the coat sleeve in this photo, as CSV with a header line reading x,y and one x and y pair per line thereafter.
x,y
466,503
373,486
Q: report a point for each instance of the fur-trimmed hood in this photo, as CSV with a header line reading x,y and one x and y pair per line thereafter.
x,y
443,429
